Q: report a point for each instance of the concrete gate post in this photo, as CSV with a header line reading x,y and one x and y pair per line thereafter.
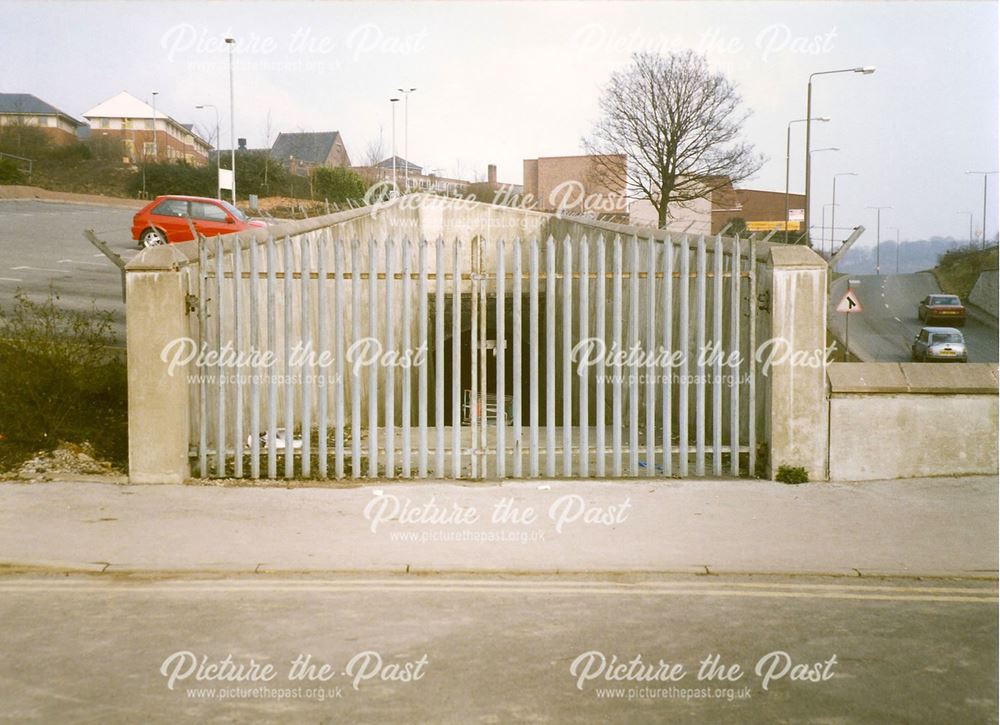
x,y
158,410
797,406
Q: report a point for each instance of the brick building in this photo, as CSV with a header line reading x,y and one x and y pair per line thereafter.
x,y
302,152
761,210
577,185
24,109
146,134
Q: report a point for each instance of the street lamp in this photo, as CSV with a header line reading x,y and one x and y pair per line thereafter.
x,y
218,150
788,155
822,233
897,246
406,134
231,42
833,214
878,237
156,154
970,224
393,101
985,174
866,70
816,151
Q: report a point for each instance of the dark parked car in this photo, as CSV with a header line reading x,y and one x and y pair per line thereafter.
x,y
168,220
942,308
939,344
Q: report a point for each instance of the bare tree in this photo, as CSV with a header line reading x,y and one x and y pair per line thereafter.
x,y
677,123
374,155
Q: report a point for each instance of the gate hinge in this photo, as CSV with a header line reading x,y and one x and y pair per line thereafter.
x,y
191,302
764,301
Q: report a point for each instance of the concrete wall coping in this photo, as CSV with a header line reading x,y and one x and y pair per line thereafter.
x,y
903,378
796,255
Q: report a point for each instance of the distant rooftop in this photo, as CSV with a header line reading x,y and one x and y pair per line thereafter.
x,y
17,103
311,147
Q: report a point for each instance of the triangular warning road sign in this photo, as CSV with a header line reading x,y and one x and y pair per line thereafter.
x,y
849,303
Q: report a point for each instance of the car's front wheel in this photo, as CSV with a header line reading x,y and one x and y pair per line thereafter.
x,y
151,238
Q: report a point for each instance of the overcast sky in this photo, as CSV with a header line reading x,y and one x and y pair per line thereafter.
x,y
501,82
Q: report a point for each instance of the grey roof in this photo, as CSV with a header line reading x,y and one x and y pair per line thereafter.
x,y
312,147
29,104
401,165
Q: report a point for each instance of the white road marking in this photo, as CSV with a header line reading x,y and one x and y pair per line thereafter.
x,y
95,264
719,589
40,269
10,279
897,319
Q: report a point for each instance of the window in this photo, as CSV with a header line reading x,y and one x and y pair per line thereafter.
x,y
208,212
149,148
105,123
149,124
171,207
948,337
52,120
945,300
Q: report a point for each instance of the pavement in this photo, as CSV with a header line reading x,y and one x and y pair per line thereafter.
x,y
920,527
887,323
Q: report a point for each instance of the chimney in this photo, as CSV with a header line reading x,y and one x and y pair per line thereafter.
x,y
242,144
491,174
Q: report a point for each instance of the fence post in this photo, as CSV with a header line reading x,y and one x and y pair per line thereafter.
x,y
797,405
158,409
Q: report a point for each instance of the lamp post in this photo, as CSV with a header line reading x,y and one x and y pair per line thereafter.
x,y
833,216
822,241
406,134
816,151
896,229
156,151
986,175
878,237
970,224
788,156
231,42
218,150
866,70
393,101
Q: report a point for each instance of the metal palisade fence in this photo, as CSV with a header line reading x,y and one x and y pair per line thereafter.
x,y
594,355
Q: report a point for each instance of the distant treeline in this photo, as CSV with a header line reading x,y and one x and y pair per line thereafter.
x,y
914,256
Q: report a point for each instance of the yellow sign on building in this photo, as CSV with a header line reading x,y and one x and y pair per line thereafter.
x,y
768,226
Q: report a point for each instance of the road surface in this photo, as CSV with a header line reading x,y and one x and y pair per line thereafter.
x,y
497,650
43,245
887,324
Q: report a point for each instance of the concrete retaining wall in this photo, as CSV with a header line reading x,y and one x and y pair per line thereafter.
x,y
984,294
904,420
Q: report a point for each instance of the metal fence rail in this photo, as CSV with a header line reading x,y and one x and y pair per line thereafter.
x,y
345,358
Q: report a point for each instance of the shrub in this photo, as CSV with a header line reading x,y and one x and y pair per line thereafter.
x,y
791,474
337,185
175,178
9,172
60,379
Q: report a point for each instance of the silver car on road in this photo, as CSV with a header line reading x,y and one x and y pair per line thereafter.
x,y
939,344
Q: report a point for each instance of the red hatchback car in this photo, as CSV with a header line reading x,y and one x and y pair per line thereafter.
x,y
165,220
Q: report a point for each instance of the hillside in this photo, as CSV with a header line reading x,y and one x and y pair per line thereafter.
x,y
958,270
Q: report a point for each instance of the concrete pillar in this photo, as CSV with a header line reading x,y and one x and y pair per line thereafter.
x,y
158,411
797,407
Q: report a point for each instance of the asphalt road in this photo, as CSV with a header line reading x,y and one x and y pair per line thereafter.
x,y
887,324
489,650
43,245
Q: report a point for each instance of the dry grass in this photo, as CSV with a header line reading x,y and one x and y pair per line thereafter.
x,y
957,271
